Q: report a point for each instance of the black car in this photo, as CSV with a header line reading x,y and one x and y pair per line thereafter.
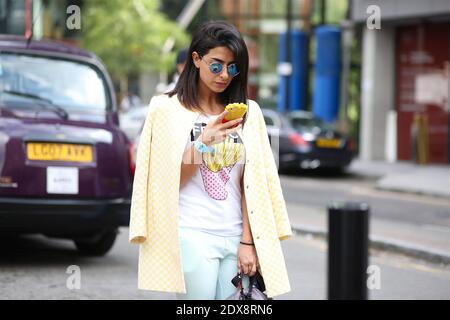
x,y
304,141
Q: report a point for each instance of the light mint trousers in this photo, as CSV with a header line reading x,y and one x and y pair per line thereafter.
x,y
209,264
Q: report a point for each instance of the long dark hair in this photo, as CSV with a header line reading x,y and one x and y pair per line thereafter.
x,y
211,35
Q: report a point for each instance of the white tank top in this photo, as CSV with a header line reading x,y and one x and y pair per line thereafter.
x,y
211,200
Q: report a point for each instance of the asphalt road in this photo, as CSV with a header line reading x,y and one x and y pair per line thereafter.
x,y
319,189
34,267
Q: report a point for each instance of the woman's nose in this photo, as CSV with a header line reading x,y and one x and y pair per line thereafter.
x,y
224,74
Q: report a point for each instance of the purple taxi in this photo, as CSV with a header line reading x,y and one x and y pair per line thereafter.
x,y
66,169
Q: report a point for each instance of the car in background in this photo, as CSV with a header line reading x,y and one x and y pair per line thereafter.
x,y
136,140
302,141
132,120
66,168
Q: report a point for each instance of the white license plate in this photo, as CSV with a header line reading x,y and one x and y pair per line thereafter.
x,y
62,180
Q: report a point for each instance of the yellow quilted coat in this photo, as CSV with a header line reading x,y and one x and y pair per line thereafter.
x,y
154,204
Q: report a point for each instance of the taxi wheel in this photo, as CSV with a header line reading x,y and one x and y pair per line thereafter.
x,y
98,245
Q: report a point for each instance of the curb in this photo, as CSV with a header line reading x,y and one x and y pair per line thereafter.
x,y
413,191
380,243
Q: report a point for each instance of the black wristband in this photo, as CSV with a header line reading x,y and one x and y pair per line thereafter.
x,y
247,243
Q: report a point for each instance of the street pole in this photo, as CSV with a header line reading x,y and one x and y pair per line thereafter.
x,y
323,12
306,15
348,242
235,12
183,20
347,41
28,20
205,11
288,51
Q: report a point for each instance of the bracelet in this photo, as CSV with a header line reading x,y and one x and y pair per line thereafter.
x,y
247,243
202,148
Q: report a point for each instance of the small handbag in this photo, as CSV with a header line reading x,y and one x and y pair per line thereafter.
x,y
255,291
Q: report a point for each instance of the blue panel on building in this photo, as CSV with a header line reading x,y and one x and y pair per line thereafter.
x,y
297,80
327,73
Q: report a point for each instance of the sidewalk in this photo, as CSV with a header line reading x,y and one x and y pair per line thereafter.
x,y
433,180
423,242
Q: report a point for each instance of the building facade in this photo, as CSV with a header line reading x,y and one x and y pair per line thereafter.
x,y
48,19
405,80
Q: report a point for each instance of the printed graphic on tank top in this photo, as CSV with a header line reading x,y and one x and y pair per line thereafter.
x,y
211,199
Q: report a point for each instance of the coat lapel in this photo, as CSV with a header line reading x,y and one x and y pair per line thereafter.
x,y
185,120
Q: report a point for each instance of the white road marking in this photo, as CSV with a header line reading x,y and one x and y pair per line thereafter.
x,y
443,229
360,190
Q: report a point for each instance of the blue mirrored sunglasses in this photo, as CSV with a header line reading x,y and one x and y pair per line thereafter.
x,y
217,67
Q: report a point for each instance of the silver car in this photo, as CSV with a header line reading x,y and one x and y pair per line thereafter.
x,y
131,121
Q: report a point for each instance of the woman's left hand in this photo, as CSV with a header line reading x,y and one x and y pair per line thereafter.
x,y
247,260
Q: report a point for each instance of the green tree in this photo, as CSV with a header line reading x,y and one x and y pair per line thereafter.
x,y
129,36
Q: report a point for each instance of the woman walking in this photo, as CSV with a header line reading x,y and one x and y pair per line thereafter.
x,y
207,201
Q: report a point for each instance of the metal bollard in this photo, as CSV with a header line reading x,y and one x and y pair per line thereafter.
x,y
348,229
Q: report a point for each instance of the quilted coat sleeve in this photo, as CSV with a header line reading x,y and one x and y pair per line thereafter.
x,y
273,181
140,195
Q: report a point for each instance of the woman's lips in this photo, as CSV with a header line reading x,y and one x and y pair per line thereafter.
x,y
221,84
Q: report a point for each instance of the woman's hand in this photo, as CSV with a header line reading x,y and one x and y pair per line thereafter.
x,y
216,131
247,260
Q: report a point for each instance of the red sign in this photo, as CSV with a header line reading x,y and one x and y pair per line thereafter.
x,y
422,87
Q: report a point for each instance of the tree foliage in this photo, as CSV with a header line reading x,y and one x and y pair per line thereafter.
x,y
129,35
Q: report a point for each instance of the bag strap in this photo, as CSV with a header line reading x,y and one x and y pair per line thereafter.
x,y
253,283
